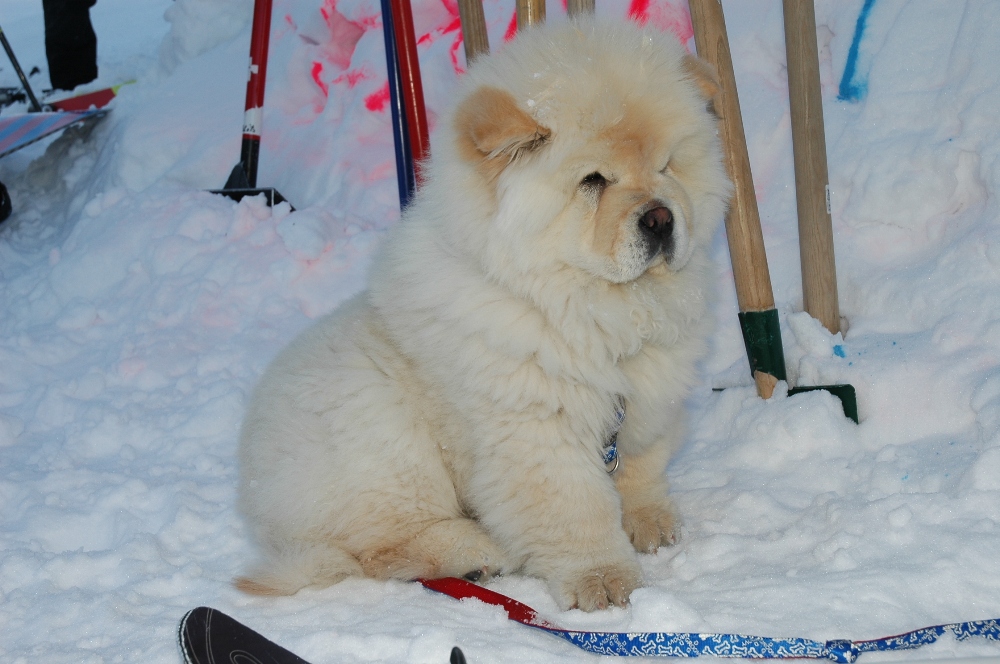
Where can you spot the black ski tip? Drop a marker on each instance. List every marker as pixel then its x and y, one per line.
pixel 208 636
pixel 192 631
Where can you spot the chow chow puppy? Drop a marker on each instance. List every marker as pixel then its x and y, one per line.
pixel 552 273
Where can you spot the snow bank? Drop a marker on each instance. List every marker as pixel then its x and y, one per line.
pixel 138 311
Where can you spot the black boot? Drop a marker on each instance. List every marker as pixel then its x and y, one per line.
pixel 5 206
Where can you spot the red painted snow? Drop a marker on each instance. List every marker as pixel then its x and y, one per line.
pixel 344 35
pixel 352 77
pixel 670 18
pixel 511 28
pixel 378 101
pixel 451 24
pixel 317 76
pixel 638 11
pixel 666 16
pixel 662 14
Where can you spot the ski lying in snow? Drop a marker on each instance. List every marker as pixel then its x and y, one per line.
pixel 81 102
pixel 18 131
pixel 208 636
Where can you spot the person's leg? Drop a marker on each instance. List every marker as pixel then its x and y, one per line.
pixel 5 207
pixel 70 43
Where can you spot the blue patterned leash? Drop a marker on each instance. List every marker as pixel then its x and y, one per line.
pixel 680 644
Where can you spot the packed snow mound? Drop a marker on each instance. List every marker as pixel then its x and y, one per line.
pixel 139 311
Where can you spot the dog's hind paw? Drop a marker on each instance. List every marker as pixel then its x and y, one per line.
pixel 478 562
pixel 600 588
pixel 451 547
pixel 474 576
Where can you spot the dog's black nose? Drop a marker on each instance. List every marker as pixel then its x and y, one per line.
pixel 658 222
pixel 657 225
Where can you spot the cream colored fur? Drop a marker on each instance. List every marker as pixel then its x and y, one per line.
pixel 450 419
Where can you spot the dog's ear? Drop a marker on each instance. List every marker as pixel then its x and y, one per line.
pixel 493 130
pixel 703 75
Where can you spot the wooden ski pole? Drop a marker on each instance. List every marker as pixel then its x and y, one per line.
pixel 578 7
pixel 812 189
pixel 758 317
pixel 477 42
pixel 529 12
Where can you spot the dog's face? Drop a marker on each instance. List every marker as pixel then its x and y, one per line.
pixel 630 208
pixel 605 174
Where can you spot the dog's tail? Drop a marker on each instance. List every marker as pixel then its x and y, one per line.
pixel 289 570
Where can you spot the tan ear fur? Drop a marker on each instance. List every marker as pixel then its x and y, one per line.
pixel 493 130
pixel 703 75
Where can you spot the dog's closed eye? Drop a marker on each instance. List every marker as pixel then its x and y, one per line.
pixel 595 182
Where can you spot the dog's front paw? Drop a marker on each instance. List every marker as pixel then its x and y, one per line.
pixel 600 587
pixel 650 526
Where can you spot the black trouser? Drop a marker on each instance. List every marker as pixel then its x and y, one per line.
pixel 70 43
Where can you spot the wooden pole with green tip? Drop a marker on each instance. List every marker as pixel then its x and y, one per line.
pixel 758 317
pixel 529 12
pixel 477 42
pixel 579 7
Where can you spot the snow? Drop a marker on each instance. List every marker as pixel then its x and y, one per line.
pixel 138 311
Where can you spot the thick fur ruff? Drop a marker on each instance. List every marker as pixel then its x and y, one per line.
pixel 450 419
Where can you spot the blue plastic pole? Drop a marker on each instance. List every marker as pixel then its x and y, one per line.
pixel 405 175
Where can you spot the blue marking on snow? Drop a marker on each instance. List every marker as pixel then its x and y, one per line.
pixel 838 350
pixel 854 87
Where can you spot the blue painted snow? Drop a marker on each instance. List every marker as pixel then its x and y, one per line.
pixel 854 87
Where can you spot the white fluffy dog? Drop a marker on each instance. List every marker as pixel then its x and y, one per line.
pixel 451 419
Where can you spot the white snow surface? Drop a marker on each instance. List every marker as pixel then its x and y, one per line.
pixel 137 311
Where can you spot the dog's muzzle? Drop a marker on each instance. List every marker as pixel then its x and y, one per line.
pixel 657 227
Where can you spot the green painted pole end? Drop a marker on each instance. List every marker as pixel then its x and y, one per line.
pixel 762 337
